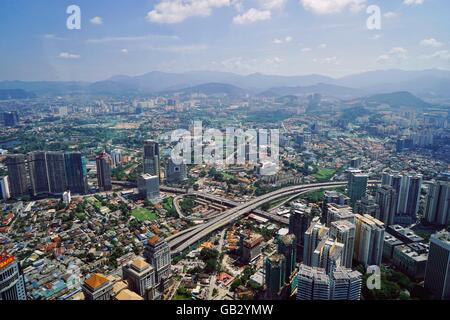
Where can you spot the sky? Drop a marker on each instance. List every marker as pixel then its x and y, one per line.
pixel 284 37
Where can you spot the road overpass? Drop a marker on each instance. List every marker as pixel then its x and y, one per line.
pixel 183 240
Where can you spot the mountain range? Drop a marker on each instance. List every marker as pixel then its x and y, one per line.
pixel 433 83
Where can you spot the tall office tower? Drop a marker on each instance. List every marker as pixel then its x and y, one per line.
pixel 437 272
pixel 346 284
pixel 328 255
pixel 56 169
pixel 336 212
pixel 12 282
pixel 104 172
pixel 357 185
pixel 344 232
pixel 4 188
pixel 287 246
pixel 313 284
pixel 76 173
pixel 386 199
pixel 299 222
pixel 11 119
pixel 148 186
pixel 116 157
pixel 140 277
pixel 157 253
pixel 175 173
pixel 275 275
pixel 37 166
pixel 438 202
pixel 17 173
pixel 313 236
pixel 151 158
pixel 355 163
pixel 369 239
pixel 409 197
pixel 97 287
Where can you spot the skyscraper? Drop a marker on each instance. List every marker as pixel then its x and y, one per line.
pixel 148 186
pixel 357 185
pixel 437 273
pixel 346 284
pixel 76 172
pixel 12 282
pixel 37 165
pixel 56 169
pixel 4 188
pixel 337 212
pixel 11 119
pixel 140 277
pixel 299 222
pixel 409 196
pixel 151 158
pixel 157 253
pixel 369 239
pixel 175 173
pixel 387 201
pixel 344 232
pixel 438 203
pixel 17 173
pixel 104 172
pixel 275 275
pixel 287 246
pixel 116 156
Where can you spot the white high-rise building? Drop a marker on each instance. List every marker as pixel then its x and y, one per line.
pixel 148 186
pixel 369 240
pixel 344 232
pixel 438 203
pixel 4 188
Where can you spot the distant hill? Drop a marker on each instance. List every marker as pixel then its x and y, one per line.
pixel 397 99
pixel 213 88
pixel 322 88
pixel 431 83
pixel 10 94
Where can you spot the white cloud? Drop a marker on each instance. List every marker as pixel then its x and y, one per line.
pixel 97 21
pixel 330 60
pixel 431 42
pixel 124 51
pixel 272 4
pixel 176 11
pixel 50 36
pixel 376 37
pixel 413 2
pixel 396 53
pixel 322 46
pixel 67 55
pixel 252 15
pixel 439 55
pixel 133 38
pixel 274 60
pixel 390 15
pixel 287 39
pixel 306 50
pixel 332 6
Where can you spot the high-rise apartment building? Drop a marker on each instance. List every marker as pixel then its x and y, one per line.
pixel 18 177
pixel 369 239
pixel 437 209
pixel 56 170
pixel 76 172
pixel 386 199
pixel 313 236
pixel 437 273
pixel 4 188
pixel 344 232
pixel 299 222
pixel 37 165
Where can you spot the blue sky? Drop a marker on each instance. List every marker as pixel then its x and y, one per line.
pixel 286 37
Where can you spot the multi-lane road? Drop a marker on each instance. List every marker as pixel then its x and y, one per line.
pixel 183 240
